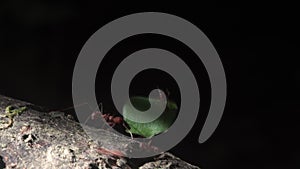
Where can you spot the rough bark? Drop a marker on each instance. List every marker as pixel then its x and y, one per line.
pixel 41 139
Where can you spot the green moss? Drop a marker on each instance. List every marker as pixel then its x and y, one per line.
pixel 10 113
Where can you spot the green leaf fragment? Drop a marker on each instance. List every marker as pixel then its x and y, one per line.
pixel 155 127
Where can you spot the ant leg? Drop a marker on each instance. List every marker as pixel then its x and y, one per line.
pixel 127 129
pixel 112 125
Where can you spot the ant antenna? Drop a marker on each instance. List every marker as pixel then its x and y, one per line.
pixel 72 107
pixel 168 92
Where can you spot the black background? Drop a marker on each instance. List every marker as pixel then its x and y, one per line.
pixel 40 41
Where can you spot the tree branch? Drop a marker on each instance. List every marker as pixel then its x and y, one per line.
pixel 40 139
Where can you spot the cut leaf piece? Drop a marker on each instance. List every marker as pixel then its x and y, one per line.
pixel 159 125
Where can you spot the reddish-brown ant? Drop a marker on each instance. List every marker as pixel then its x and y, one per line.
pixel 116 120
pixel 110 152
pixel 111 120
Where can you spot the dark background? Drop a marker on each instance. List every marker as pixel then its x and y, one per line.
pixel 40 41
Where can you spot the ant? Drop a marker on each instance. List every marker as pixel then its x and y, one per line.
pixel 110 119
